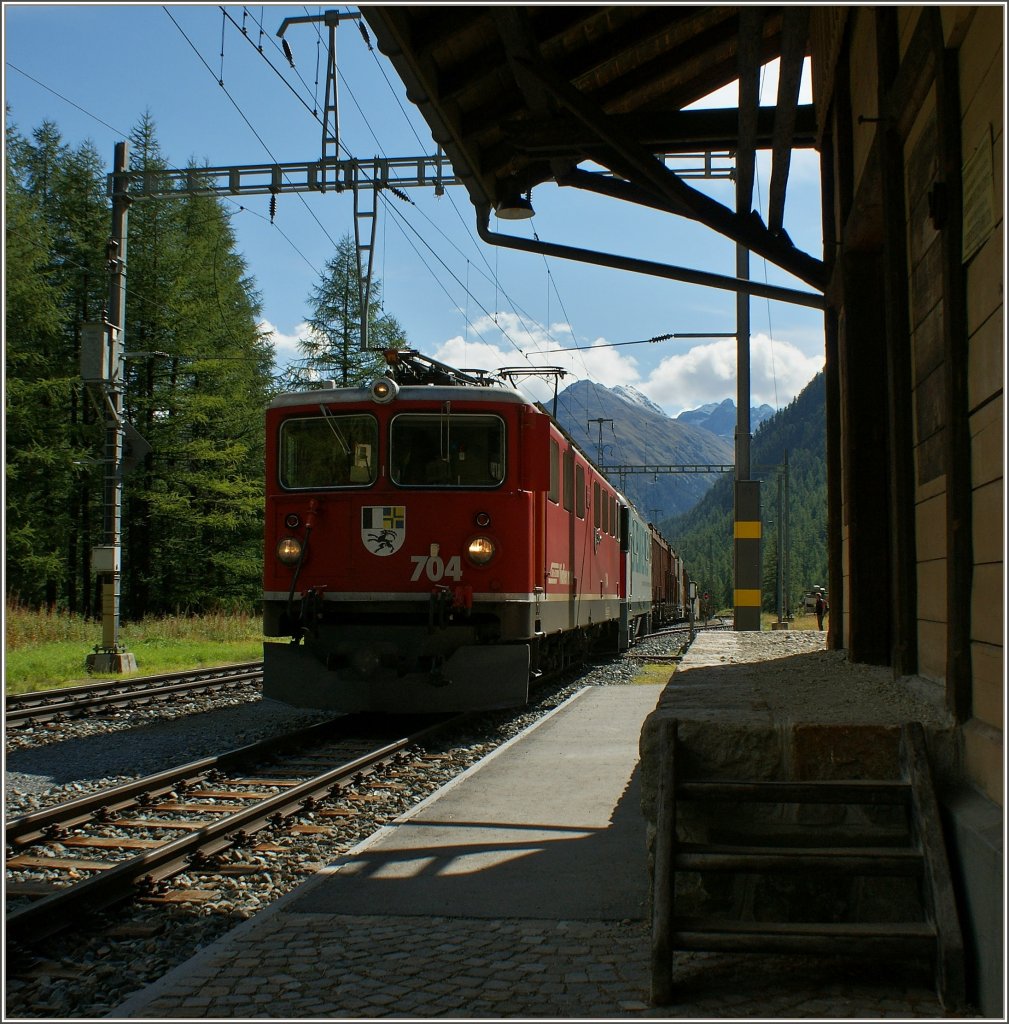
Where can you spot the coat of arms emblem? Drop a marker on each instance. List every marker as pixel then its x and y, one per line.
pixel 383 528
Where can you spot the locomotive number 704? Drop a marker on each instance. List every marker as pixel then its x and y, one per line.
pixel 436 567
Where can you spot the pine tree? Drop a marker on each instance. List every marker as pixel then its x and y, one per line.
pixel 198 375
pixel 193 537
pixel 333 348
pixel 56 224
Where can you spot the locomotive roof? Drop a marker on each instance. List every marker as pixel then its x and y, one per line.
pixel 407 393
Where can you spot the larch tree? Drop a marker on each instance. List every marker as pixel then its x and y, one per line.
pixel 193 536
pixel 332 350
pixel 56 224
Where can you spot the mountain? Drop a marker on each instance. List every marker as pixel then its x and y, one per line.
pixel 703 535
pixel 635 397
pixel 620 427
pixel 720 417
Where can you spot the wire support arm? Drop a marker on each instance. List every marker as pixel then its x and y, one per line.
pixel 701 467
pixel 639 266
pixel 267 179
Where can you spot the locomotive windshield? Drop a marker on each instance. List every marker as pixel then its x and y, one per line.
pixel 328 451
pixel 457 450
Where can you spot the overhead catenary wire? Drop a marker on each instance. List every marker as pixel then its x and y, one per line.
pixel 534 346
pixel 644 341
pixel 267 149
pixel 125 134
pixel 480 250
pixel 157 304
pixel 137 295
pixel 65 99
pixel 402 196
pixel 496 277
pixel 276 71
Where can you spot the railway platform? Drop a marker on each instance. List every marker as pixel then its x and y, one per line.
pixel 519 890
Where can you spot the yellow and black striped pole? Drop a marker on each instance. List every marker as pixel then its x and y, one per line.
pixel 746 595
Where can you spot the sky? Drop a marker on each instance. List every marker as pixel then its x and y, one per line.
pixel 95 70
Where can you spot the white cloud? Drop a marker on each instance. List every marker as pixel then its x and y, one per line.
pixel 779 370
pixel 285 346
pixel 509 340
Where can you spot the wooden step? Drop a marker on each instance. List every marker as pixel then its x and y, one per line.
pixel 882 860
pixel 785 840
pixel 792 835
pixel 828 791
pixel 905 939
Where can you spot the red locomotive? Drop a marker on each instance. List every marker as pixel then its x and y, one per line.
pixel 435 541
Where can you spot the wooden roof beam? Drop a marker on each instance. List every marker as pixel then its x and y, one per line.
pixel 678 131
pixel 748 58
pixel 523 52
pixel 625 157
pixel 794 43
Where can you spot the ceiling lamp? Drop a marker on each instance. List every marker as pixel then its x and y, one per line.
pixel 514 208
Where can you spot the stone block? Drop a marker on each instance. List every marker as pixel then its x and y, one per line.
pixel 845 751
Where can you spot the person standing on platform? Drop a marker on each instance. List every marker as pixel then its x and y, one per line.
pixel 821 608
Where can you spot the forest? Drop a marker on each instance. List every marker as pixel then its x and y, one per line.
pixel 198 375
pixel 703 536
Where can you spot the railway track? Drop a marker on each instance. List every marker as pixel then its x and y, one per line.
pixel 128 842
pixel 63 703
pixel 681 632
pixel 77 701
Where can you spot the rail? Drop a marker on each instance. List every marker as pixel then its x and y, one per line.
pixel 110 882
pixel 45 705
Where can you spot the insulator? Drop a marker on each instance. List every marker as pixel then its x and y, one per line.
pixel 273 206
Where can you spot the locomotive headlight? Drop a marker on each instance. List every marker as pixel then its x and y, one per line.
pixel 384 390
pixel 289 550
pixel 481 550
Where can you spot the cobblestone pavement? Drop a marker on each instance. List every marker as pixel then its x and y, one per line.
pixel 298 965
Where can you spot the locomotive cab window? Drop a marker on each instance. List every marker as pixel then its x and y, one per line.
pixel 328 451
pixel 450 450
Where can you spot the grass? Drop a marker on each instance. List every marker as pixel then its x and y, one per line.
pixel 654 674
pixel 800 621
pixel 44 649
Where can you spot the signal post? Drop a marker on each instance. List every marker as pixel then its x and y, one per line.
pixel 102 360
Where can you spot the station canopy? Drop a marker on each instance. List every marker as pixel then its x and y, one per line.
pixel 521 95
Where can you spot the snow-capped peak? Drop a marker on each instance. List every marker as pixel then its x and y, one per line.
pixel 635 397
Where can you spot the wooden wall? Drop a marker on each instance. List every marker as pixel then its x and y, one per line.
pixel 911 119
pixel 982 96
